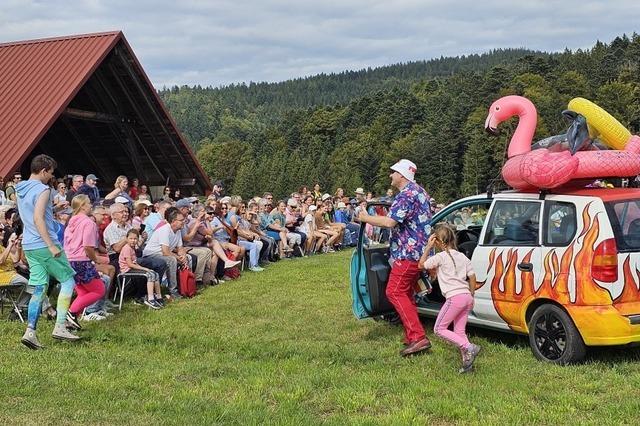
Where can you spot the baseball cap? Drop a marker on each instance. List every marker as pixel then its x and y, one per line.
pixel 183 202
pixel 121 199
pixel 406 168
pixel 91 177
pixel 312 207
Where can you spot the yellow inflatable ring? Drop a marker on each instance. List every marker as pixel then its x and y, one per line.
pixel 601 124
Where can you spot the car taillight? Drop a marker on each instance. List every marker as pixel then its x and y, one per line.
pixel 605 261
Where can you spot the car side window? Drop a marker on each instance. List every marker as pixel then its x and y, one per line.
pixel 514 223
pixel 470 216
pixel 560 223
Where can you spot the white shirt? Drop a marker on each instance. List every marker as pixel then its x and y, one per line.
pixel 163 236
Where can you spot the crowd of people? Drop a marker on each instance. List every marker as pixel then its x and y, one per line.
pixel 80 242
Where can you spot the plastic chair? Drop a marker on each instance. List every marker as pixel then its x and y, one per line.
pixel 121 283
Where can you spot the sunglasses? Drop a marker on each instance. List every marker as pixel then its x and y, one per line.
pixel 63 187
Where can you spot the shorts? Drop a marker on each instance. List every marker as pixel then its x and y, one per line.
pixel 85 271
pixel 42 266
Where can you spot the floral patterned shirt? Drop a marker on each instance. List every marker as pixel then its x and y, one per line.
pixel 412 212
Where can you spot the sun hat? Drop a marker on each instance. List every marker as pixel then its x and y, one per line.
pixel 325 197
pixel 360 191
pixel 145 202
pixel 342 205
pixel 406 168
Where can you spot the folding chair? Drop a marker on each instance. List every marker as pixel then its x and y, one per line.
pixel 7 298
pixel 121 283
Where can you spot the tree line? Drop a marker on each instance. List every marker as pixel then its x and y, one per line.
pixel 345 130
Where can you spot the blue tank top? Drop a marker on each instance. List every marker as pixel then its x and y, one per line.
pixel 28 192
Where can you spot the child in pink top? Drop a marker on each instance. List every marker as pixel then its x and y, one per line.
pixel 128 262
pixel 453 269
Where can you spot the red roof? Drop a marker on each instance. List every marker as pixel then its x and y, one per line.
pixel 39 79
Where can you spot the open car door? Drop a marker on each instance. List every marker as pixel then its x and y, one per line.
pixel 370 267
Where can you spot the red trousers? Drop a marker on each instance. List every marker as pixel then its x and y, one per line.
pixel 400 292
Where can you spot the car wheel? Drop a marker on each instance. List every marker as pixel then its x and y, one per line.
pixel 392 318
pixel 553 337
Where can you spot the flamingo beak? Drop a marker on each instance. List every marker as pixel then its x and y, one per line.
pixel 491 125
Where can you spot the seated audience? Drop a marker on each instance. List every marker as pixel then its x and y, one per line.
pixel 128 262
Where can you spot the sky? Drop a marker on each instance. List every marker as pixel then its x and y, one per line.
pixel 220 42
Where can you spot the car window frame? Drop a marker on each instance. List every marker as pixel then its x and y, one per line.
pixel 493 211
pixel 545 224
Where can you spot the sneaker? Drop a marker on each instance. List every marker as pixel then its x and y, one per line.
pixel 176 296
pixel 30 340
pixel 110 306
pixel 256 269
pixel 73 322
pixel 468 356
pixel 152 304
pixel 93 316
pixel 60 332
pixel 231 263
pixel 160 301
pixel 104 313
pixel 138 301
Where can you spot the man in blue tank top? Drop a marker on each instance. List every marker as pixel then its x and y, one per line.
pixel 43 250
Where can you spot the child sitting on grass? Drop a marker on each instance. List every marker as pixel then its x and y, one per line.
pixel 453 269
pixel 128 263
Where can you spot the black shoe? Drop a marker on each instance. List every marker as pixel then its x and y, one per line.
pixel 72 320
pixel 138 301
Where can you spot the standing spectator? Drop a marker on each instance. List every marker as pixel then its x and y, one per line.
pixel 144 194
pixel 90 189
pixel 133 191
pixel 10 191
pixel 317 194
pixel 409 220
pixel 166 194
pixel 79 245
pixel 218 189
pixel 60 199
pixel 76 183
pixel 42 249
pixel 120 190
pixel 166 245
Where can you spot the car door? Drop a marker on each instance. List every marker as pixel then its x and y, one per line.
pixel 507 261
pixel 370 268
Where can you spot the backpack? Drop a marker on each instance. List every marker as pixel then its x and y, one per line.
pixel 186 282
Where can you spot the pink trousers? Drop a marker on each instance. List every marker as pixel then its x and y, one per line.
pixel 88 293
pixel 454 310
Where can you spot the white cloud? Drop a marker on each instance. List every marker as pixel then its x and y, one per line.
pixel 225 41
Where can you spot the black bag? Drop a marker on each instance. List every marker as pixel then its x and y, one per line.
pixel 297 251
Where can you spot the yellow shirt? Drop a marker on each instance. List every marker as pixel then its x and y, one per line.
pixel 7 271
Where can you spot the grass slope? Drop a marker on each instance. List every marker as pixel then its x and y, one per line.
pixel 282 347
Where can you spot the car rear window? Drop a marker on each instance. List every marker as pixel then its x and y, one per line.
pixel 625 221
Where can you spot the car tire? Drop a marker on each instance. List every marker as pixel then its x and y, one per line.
pixel 553 336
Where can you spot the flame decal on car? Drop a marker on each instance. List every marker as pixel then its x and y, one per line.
pixel 510 302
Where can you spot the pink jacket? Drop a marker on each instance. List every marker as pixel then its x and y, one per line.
pixel 80 232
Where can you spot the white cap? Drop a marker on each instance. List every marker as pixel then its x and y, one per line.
pixel 325 197
pixel 145 202
pixel 121 199
pixel 313 207
pixel 342 205
pixel 359 191
pixel 406 168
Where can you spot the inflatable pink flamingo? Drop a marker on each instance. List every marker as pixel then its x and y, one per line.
pixel 544 169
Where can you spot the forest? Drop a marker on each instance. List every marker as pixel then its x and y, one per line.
pixel 345 130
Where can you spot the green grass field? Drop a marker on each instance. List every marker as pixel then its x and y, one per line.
pixel 282 347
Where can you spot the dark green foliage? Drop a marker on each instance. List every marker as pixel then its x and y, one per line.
pixel 345 130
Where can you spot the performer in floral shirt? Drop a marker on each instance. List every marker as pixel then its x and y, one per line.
pixel 410 221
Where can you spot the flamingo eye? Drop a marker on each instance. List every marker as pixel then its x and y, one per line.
pixel 497 108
